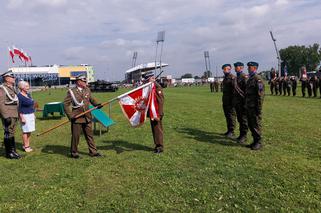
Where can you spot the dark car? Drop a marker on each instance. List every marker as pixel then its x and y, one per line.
pixel 103 86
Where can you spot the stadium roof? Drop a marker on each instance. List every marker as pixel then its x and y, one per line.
pixel 146 67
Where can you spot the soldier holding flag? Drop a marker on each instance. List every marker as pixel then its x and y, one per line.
pixel 77 101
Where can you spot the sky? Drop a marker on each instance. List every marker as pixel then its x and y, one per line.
pixel 105 33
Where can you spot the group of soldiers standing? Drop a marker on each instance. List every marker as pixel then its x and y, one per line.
pixel 243 99
pixel 286 84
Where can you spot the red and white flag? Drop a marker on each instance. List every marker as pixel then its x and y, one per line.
pixel 16 51
pixel 153 106
pixel 135 104
pixel 11 54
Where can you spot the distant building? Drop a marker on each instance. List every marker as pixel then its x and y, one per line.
pixel 134 74
pixel 53 74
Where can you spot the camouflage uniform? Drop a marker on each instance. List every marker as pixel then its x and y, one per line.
pixel 254 103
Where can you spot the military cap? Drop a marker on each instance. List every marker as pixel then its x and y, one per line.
pixel 8 74
pixel 252 64
pixel 147 75
pixel 238 64
pixel 226 65
pixel 81 77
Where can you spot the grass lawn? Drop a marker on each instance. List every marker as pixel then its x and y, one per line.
pixel 200 170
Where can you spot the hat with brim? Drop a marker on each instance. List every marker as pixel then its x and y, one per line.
pixel 252 64
pixel 226 65
pixel 81 77
pixel 8 74
pixel 147 75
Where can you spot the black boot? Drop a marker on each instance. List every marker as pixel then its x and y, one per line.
pixel 241 139
pixel 9 154
pixel 13 148
pixel 257 146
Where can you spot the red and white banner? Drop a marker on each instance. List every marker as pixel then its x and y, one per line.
pixel 135 104
pixel 153 106
pixel 11 54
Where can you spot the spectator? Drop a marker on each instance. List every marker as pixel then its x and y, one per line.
pixel 26 114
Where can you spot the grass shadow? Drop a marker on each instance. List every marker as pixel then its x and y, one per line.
pixel 207 137
pixel 58 149
pixel 121 146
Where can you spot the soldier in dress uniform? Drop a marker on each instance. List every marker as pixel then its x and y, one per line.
pixel 77 101
pixel 304 80
pixel 239 101
pixel 157 124
pixel 228 83
pixel 254 102
pixel 294 83
pixel 280 82
pixel 9 113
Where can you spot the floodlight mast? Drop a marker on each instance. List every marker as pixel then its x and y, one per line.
pixel 277 53
pixel 160 39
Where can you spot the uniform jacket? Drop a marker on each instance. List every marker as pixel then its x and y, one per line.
pixel 240 89
pixel 160 99
pixel 7 109
pixel 254 92
pixel 229 82
pixel 70 107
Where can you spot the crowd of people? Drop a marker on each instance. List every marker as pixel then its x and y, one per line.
pixel 19 107
pixel 288 84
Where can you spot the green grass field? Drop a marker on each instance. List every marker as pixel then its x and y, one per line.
pixel 200 170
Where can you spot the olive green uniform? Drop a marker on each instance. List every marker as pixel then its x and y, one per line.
pixel 239 103
pixel 9 116
pixel 84 123
pixel 228 83
pixel 254 103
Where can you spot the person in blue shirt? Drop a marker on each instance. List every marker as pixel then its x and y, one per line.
pixel 26 114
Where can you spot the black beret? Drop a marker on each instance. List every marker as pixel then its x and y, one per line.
pixel 81 77
pixel 253 64
pixel 238 64
pixel 226 65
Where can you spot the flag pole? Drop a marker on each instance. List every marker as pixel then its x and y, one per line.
pixel 77 116
pixel 89 110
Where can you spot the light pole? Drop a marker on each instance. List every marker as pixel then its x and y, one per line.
pixel 277 53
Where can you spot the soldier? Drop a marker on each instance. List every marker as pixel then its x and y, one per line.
pixel 304 80
pixel 293 84
pixel 280 82
pixel 216 84
pixel 77 101
pixel 212 86
pixel 309 86
pixel 273 82
pixel 228 94
pixel 239 101
pixel 254 103
pixel 286 86
pixel 9 113
pixel 314 84
pixel 157 124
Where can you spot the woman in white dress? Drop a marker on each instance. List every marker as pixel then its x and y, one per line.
pixel 26 114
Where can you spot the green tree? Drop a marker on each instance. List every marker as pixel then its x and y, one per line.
pixel 297 56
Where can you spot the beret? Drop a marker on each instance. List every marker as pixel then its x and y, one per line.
pixel 226 65
pixel 252 64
